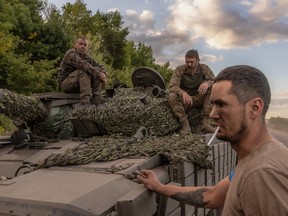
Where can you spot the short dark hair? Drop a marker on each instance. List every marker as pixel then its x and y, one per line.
pixel 80 38
pixel 247 83
pixel 192 54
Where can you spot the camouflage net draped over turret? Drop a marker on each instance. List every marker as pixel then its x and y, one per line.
pixel 124 113
pixel 21 107
pixel 175 148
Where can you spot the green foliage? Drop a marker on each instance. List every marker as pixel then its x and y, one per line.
pixel 278 123
pixel 120 77
pixel 6 125
pixel 32 45
pixel 165 71
pixel 25 76
pixel 42 39
pixel 6 24
pixel 34 36
pixel 77 18
pixel 108 28
pixel 141 55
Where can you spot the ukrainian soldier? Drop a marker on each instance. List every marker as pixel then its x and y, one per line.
pixel 81 73
pixel 190 87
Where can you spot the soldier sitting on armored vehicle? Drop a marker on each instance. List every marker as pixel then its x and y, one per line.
pixel 190 88
pixel 81 73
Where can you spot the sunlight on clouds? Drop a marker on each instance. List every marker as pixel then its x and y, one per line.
pixel 146 16
pixel 279 105
pixel 210 58
pixel 224 29
pixel 221 24
pixel 181 16
pixel 269 10
pixel 188 15
pixel 222 40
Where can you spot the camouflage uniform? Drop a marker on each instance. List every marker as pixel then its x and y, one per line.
pixel 181 81
pixel 80 73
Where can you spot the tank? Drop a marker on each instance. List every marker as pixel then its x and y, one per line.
pixel 64 161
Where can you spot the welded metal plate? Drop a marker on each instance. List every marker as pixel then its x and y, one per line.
pixel 144 76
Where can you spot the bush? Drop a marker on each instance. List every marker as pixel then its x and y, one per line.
pixel 6 125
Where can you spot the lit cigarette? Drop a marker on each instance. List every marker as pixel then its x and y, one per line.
pixel 216 131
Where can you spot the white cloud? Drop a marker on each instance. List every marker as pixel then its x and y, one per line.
pixel 210 58
pixel 226 24
pixel 142 28
pixel 112 10
pixel 218 24
pixel 221 24
pixel 269 10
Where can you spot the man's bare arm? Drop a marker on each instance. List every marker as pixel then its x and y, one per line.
pixel 195 198
pixel 206 196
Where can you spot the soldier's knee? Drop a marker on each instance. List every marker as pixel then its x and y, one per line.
pixel 173 99
pixel 172 96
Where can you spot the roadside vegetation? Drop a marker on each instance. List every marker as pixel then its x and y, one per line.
pixel 278 123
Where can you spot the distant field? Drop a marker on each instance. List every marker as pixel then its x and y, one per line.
pixel 282 136
pixel 278 123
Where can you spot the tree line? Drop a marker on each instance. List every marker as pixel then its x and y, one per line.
pixel 34 36
pixel 278 123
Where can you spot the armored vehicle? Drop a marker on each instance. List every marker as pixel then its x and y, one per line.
pixel 62 161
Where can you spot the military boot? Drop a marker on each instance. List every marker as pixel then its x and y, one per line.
pixel 206 126
pixel 98 99
pixel 185 130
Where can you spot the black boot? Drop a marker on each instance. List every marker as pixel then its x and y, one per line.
pixel 98 99
pixel 185 130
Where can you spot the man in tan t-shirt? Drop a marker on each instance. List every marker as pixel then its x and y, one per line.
pixel 259 184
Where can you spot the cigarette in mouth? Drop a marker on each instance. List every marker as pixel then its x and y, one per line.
pixel 214 134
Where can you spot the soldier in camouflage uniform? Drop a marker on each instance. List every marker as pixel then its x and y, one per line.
pixel 190 87
pixel 80 73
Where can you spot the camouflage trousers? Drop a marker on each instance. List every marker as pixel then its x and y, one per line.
pixel 180 109
pixel 80 81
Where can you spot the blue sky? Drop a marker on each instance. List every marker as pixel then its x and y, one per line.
pixel 225 33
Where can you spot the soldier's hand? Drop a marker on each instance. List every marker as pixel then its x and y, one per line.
pixel 187 99
pixel 203 88
pixel 103 77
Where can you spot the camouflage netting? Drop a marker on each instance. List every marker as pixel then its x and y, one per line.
pixel 21 107
pixel 125 112
pixel 107 148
